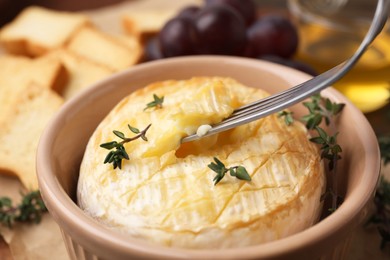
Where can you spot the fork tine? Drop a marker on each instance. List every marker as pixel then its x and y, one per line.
pixel 261 104
pixel 282 100
pixel 304 87
pixel 266 99
pixel 272 104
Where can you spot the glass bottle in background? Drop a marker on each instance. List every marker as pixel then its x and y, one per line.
pixel 330 32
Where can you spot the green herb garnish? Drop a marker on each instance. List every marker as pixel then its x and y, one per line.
pixel 384 145
pixel 156 103
pixel 323 109
pixel 115 157
pixel 288 119
pixel 319 111
pixel 29 210
pixel 381 217
pixel 236 171
pixel 329 148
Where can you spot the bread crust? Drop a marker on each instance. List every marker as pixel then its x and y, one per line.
pixel 37 30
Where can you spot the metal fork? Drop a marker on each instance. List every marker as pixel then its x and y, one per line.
pixel 293 95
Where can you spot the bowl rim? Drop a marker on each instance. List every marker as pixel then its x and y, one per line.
pixel 64 210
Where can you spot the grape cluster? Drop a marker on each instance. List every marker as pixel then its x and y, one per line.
pixel 227 27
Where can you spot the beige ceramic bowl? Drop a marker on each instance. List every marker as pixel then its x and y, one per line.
pixel 63 143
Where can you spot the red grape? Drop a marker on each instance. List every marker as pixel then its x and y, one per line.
pixel 221 31
pixel 189 12
pixel 246 8
pixel 178 37
pixel 153 50
pixel 272 34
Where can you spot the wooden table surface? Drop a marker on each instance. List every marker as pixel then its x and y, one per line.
pixel 380 119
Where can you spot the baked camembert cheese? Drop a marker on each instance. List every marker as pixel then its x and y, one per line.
pixel 165 192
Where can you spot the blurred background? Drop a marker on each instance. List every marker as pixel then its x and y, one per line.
pixel 10 8
pixel 329 32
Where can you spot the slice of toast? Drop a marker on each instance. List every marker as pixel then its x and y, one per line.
pixel 146 23
pixel 115 52
pixel 37 30
pixel 46 71
pixel 20 132
pixel 81 72
pixel 49 72
pixel 17 72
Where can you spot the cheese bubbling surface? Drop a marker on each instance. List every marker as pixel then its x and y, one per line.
pixel 165 193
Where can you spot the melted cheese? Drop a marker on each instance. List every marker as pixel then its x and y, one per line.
pixel 165 192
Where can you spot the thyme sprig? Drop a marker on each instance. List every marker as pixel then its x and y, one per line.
pixel 320 109
pixel 381 217
pixel 116 156
pixel 330 150
pixel 156 103
pixel 384 145
pixel 323 109
pixel 29 210
pixel 236 171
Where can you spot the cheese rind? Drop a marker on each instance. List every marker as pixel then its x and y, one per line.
pixel 165 192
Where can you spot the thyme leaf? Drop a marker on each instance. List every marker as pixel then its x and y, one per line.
pixel 236 171
pixel 156 103
pixel 288 119
pixel 30 209
pixel 116 156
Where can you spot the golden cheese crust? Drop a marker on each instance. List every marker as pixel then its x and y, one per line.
pixel 165 192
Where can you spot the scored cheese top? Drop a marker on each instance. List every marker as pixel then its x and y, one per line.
pixel 165 192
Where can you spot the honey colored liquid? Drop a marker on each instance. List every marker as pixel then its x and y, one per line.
pixel 367 85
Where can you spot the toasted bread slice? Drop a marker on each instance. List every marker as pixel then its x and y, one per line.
pixel 46 71
pixel 82 72
pixel 115 52
pixel 17 72
pixel 20 132
pixel 49 72
pixel 37 30
pixel 146 23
